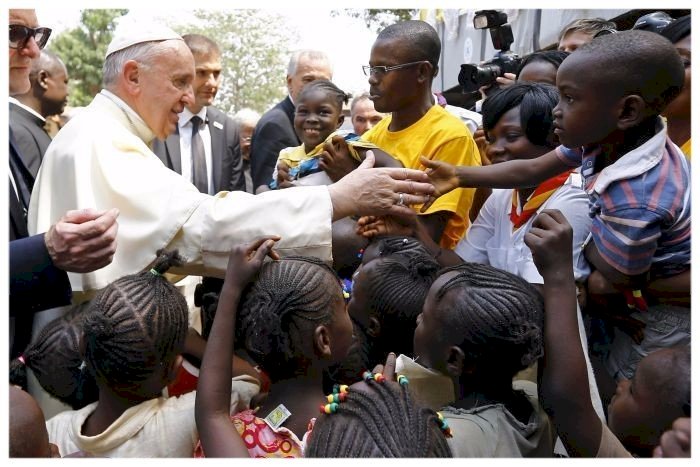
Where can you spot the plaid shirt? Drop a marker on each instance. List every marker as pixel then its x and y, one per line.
pixel 640 206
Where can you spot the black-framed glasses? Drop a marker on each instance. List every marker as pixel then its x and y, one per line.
pixel 382 70
pixel 20 35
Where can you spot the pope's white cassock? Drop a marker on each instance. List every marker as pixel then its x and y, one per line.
pixel 102 159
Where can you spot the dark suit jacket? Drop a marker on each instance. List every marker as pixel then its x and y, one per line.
pixel 18 223
pixel 30 137
pixel 35 285
pixel 274 132
pixel 227 163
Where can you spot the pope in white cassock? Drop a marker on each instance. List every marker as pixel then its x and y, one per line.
pixel 102 159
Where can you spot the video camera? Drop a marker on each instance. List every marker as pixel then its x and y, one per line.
pixel 472 77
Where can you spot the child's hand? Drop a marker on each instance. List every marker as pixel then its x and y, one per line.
pixel 550 240
pixel 283 178
pixel 335 159
pixel 372 226
pixel 245 261
pixel 442 176
pixel 482 144
pixel 676 441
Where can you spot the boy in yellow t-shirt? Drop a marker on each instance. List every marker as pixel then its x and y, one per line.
pixel 403 62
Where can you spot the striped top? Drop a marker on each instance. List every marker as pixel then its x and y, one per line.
pixel 639 205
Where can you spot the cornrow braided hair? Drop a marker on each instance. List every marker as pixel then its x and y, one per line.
pixel 397 287
pixel 336 94
pixel 136 324
pixel 56 360
pixel 280 310
pixel 390 244
pixel 499 315
pixel 383 423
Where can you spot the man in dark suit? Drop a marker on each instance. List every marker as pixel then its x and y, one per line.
pixel 79 242
pixel 217 140
pixel 275 130
pixel 47 96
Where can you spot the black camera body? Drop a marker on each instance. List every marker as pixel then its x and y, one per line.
pixel 472 77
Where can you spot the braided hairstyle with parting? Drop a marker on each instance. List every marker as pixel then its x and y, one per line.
pixel 337 95
pixel 136 325
pixel 498 316
pixel 384 423
pixel 55 358
pixel 280 310
pixel 398 283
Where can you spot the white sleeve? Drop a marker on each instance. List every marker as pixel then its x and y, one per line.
pixel 472 247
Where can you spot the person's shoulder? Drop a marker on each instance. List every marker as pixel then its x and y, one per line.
pixel 450 127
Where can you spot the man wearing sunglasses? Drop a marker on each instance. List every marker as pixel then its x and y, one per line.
pixel 103 157
pixel 79 241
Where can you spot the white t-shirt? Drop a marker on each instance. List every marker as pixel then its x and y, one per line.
pixel 491 239
pixel 162 427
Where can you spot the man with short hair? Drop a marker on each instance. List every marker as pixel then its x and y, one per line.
pixel 216 139
pixel 363 114
pixel 47 96
pixel 102 158
pixel 275 130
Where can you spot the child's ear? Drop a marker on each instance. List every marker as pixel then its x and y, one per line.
pixel 633 111
pixel 341 119
pixel 374 330
pixel 322 342
pixel 455 361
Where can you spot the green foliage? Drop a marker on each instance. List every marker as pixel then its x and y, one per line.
pixel 377 19
pixel 254 59
pixel 83 50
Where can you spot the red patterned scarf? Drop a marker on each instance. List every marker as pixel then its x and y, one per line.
pixel 536 199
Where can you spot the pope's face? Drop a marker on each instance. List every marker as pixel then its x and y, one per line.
pixel 165 87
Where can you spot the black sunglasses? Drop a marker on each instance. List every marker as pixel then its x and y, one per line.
pixel 20 35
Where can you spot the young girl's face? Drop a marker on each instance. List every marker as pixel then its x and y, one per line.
pixel 430 343
pixel 508 141
pixel 316 117
pixel 358 308
pixel 341 331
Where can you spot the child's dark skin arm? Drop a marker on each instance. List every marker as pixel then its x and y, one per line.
pixel 218 435
pixel 564 390
pixel 337 162
pixel 446 177
pixel 616 278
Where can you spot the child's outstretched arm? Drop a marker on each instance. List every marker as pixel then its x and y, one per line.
pixel 212 404
pixel 446 177
pixel 564 388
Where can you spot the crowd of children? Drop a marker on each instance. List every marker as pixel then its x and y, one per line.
pixel 298 357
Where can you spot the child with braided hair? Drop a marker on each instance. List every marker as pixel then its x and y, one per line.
pixel 386 296
pixel 388 292
pixel 55 358
pixel 480 326
pixel 293 323
pixel 133 332
pixel 379 418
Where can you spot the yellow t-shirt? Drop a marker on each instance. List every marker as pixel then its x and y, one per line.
pixel 442 136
